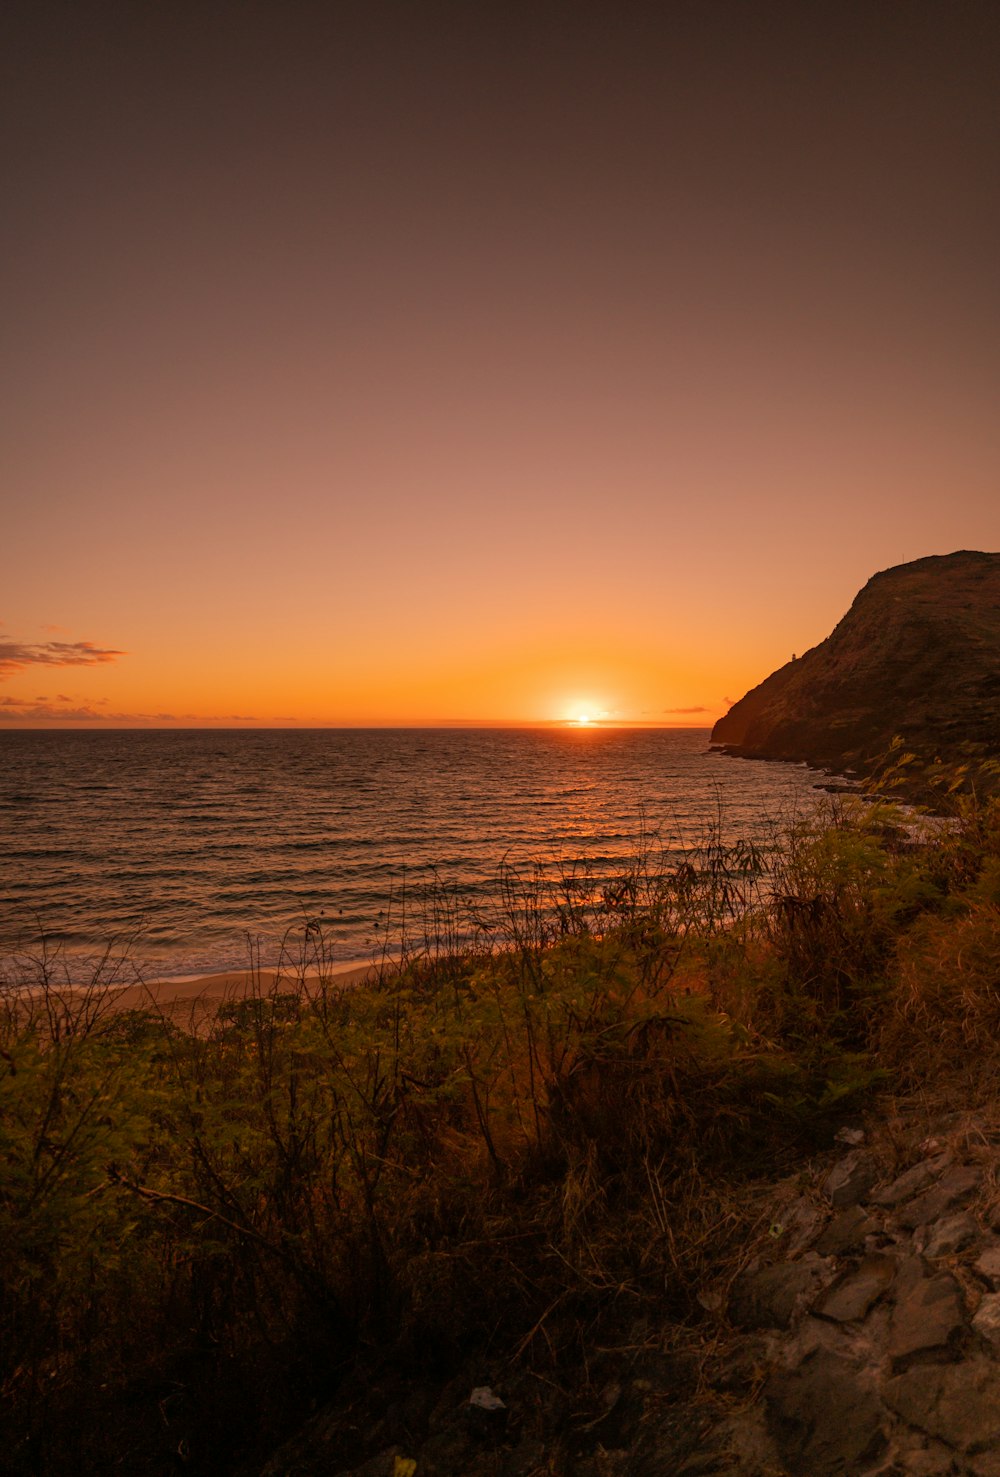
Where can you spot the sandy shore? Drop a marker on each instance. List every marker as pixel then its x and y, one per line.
pixel 191 1001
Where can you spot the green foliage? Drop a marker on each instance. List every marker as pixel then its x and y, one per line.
pixel 220 1222
pixel 967 776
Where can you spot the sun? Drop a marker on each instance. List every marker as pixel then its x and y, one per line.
pixel 583 712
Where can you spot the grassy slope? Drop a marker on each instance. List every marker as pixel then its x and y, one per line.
pixel 507 1156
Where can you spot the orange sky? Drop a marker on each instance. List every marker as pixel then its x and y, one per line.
pixel 388 364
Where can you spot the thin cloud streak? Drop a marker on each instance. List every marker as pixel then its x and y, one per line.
pixel 15 656
pixel 14 710
pixel 18 710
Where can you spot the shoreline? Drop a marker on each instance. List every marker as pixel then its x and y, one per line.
pixel 192 999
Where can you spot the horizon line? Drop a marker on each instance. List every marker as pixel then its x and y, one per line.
pixel 452 723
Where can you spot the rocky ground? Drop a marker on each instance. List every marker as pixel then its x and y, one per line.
pixel 862 1336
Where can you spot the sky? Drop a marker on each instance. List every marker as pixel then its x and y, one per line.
pixel 420 363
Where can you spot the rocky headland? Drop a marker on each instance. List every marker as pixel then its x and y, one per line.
pixel 917 656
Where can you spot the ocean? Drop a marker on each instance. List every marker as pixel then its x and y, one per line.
pixel 197 847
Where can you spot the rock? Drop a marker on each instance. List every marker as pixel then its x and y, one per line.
pixel 912 1269
pixel 988 1264
pixel 910 1183
pixel 928 1315
pixel 917 654
pixel 825 1416
pixel 846 1232
pixel 949 1235
pixel 483 1398
pixel 951 1189
pixel 802 1221
pixel 849 1180
pixel 960 1403
pixel 987 1319
pixel 770 1298
pixel 486 1413
pixel 928 1459
pixel 850 1297
pixel 850 1136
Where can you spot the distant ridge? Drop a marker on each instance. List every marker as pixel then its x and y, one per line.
pixel 917 655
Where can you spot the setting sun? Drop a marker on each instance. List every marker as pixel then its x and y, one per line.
pixel 582 718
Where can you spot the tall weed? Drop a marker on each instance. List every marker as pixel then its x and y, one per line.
pixel 525 1124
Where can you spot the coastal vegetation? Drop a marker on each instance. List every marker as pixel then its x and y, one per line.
pixel 535 1137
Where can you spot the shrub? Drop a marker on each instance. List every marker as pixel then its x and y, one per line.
pixel 488 1148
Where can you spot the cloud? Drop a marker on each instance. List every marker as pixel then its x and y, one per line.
pixel 687 710
pixel 23 710
pixel 18 710
pixel 16 655
pixel 198 718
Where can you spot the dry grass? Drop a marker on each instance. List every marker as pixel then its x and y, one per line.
pixel 521 1152
pixel 945 1007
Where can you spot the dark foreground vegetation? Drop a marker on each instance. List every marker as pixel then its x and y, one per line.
pixel 531 1142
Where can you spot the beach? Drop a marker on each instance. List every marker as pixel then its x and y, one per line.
pixel 192 1001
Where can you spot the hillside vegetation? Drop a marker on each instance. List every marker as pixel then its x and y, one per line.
pixel 508 1155
pixel 917 657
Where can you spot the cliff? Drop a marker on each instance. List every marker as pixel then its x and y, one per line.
pixel 917 654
